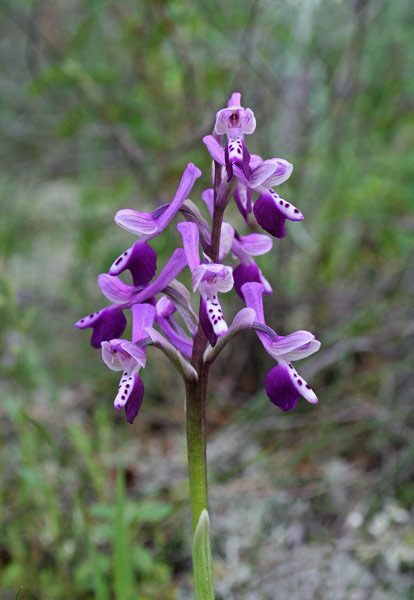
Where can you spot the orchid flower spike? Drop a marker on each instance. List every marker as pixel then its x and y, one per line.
pixel 161 306
pixel 149 225
pixel 208 279
pixel 283 384
pixel 235 121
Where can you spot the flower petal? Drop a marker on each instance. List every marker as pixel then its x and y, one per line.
pixel 284 386
pixel 243 197
pixel 248 121
pixel 235 150
pixel 208 197
pixel 282 172
pixel 212 278
pixel 215 149
pixel 271 212
pixel 301 386
pixel 189 233
pixel 173 267
pixel 114 289
pixel 310 349
pixel 140 260
pixel 244 273
pixel 234 100
pixel 149 225
pixel 137 356
pixel 226 240
pixel 288 343
pixel 139 223
pixel 214 313
pixel 207 325
pixel 188 179
pixel 134 399
pixel 142 317
pixel 111 357
pixel 165 308
pixel 280 389
pixel 130 394
pixel 183 345
pixel 108 323
pixel 256 244
pixel 262 172
pixel 253 296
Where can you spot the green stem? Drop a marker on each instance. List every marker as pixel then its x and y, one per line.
pixel 196 441
pixel 196 420
pixel 197 470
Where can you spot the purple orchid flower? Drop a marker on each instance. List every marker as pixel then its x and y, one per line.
pixel 125 356
pixel 235 121
pixel 208 279
pixel 125 295
pixel 270 210
pixel 110 322
pixel 149 225
pixel 283 384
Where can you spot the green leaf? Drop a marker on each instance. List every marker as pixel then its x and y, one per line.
pixel 203 571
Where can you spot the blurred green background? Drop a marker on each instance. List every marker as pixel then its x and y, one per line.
pixel 102 105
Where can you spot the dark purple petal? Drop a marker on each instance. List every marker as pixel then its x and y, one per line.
pixel 140 260
pixel 246 160
pixel 280 389
pixel 245 273
pixel 271 212
pixel 229 165
pixel 107 324
pixel 135 399
pixel 206 324
pixel 269 216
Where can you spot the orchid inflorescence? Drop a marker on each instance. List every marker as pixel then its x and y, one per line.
pixel 160 300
